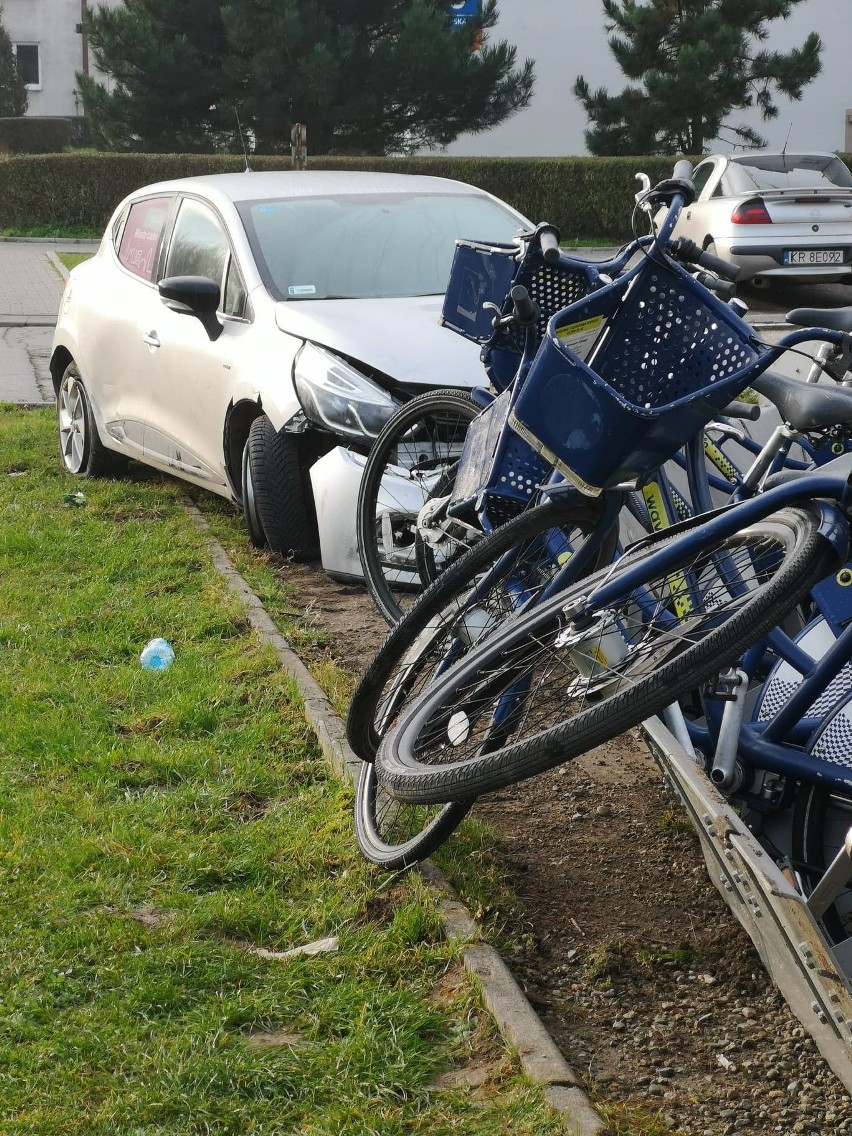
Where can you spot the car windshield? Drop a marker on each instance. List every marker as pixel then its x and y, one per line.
pixel 787 171
pixel 367 245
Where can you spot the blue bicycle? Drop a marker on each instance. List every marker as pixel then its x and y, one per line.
pixel 675 609
pixel 524 562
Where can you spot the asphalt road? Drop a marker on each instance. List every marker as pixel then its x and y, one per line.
pixel 781 298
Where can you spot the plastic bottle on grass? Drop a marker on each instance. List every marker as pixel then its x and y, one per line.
pixel 158 655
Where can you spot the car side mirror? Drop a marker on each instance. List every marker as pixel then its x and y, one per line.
pixel 197 296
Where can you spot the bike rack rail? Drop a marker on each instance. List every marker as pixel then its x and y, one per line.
pixel 814 980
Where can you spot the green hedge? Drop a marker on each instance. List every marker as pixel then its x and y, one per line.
pixel 584 197
pixel 35 135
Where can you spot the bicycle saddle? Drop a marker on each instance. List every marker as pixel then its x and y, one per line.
pixel 806 406
pixel 835 319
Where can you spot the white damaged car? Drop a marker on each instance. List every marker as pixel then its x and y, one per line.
pixel 253 332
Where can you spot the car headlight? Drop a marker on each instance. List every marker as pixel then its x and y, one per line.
pixel 333 394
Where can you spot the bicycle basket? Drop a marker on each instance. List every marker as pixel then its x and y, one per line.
pixel 480 274
pixel 624 378
pixel 497 463
pixel 484 273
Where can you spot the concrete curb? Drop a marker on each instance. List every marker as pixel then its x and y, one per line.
pixel 517 1021
pixel 90 241
pixel 27 321
pixel 58 265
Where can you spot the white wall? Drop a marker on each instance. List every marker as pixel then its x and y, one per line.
pixel 52 25
pixel 567 38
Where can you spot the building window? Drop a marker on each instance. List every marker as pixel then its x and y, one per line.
pixel 28 65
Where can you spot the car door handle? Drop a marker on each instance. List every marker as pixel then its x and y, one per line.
pixel 151 340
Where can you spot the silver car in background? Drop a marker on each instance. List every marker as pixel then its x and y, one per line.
pixel 779 216
pixel 253 332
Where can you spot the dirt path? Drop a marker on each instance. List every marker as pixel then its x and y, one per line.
pixel 623 945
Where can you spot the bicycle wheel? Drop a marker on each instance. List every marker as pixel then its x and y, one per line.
pixel 397 836
pixel 822 818
pixel 553 685
pixel 415 453
pixel 470 599
pixel 476 592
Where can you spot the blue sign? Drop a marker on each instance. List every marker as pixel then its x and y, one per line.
pixel 462 12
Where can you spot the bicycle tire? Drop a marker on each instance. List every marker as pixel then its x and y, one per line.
pixel 439 420
pixel 396 836
pixel 429 631
pixel 447 745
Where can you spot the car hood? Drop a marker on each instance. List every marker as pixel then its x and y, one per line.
pixel 401 337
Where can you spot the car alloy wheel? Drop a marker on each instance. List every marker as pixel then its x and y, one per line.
pixel 80 447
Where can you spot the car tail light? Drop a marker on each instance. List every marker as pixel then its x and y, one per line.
pixel 751 213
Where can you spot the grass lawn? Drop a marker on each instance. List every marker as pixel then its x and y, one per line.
pixel 157 829
pixel 72 259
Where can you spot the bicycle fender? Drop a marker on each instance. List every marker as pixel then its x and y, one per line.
pixel 834 527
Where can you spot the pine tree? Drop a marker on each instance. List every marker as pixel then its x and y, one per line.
pixel 165 59
pixel 365 76
pixel 13 94
pixel 371 76
pixel 696 61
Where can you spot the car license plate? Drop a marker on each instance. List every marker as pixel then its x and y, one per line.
pixel 813 256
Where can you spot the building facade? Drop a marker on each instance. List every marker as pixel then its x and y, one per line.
pixel 47 37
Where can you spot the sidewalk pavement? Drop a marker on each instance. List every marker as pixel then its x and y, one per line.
pixel 31 284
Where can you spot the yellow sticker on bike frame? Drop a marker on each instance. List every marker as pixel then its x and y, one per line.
pixel 659 520
pixel 720 460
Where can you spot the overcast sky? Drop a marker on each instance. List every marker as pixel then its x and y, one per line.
pixel 566 38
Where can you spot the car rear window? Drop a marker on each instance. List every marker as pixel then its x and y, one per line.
pixel 140 238
pixel 367 245
pixel 787 171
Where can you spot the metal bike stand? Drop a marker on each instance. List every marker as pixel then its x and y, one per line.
pixel 834 880
pixel 775 915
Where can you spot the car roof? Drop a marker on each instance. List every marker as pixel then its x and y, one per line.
pixel 254 186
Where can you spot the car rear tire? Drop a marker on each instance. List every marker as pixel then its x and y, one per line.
pixel 80 447
pixel 274 503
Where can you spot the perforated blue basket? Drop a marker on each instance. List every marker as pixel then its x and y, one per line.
pixel 625 377
pixel 481 274
pixel 484 274
pixel 498 469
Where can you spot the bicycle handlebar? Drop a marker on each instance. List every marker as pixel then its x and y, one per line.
pixel 548 239
pixel 724 288
pixel 687 251
pixel 524 310
pixel 748 411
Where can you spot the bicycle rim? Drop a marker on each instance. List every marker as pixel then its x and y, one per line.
pixel 413 456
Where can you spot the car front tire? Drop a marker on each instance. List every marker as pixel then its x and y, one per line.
pixel 274 504
pixel 80 447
